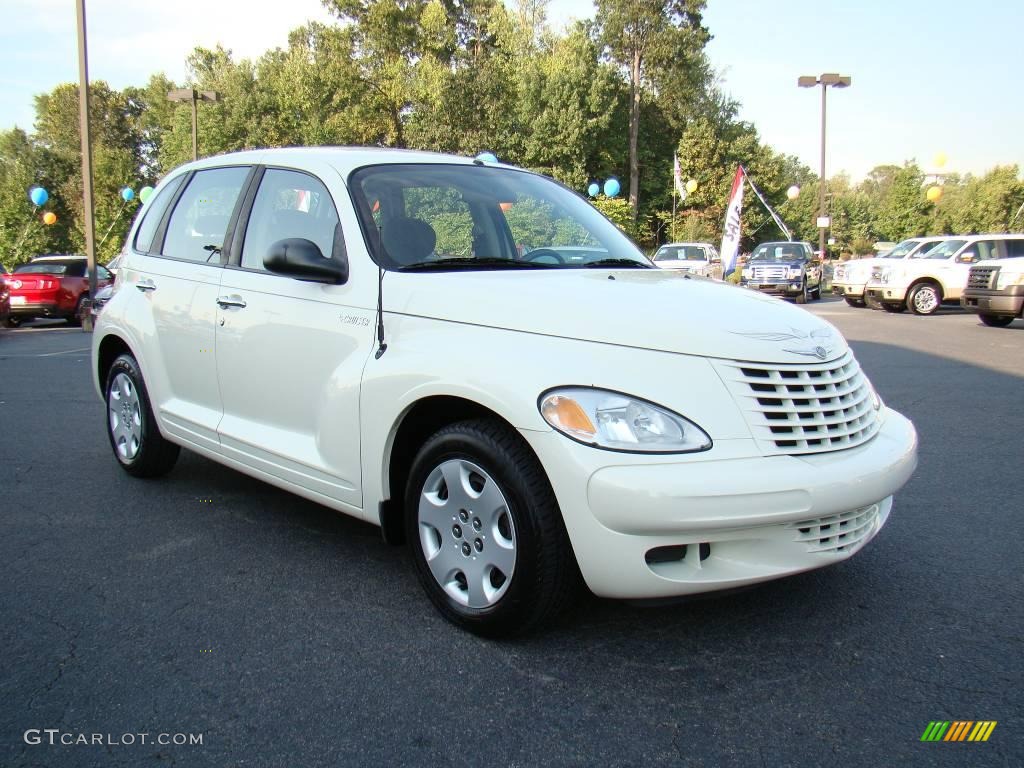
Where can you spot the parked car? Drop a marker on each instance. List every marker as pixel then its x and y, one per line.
pixel 51 286
pixel 695 258
pixel 851 277
pixel 518 423
pixel 995 289
pixel 923 282
pixel 786 268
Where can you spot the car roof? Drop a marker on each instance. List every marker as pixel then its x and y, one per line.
pixel 343 159
pixel 705 245
pixel 58 257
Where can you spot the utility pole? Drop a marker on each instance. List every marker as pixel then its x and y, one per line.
pixel 826 80
pixel 83 121
pixel 192 96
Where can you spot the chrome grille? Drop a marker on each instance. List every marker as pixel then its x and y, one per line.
pixel 807 408
pixel 837 533
pixel 768 274
pixel 982 277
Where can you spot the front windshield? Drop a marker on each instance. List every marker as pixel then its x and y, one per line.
pixel 942 251
pixel 448 217
pixel 681 253
pixel 779 252
pixel 900 250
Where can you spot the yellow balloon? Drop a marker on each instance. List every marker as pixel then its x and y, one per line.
pixel 691 186
pixel 933 194
pixel 49 217
pixel 940 159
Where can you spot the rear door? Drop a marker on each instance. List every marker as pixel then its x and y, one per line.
pixel 290 353
pixel 176 268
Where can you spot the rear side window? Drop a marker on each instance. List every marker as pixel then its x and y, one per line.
pixel 289 204
pixel 199 222
pixel 153 213
pixel 1015 248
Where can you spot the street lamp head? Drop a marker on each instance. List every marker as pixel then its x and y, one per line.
pixel 807 81
pixel 835 80
pixel 209 96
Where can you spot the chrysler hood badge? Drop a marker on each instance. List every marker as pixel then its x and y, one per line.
pixel 818 334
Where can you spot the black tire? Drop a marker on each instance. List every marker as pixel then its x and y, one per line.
pixel 996 321
pixel 894 308
pixel 544 576
pixel 801 298
pixel 154 455
pixel 75 320
pixel 924 298
pixel 12 322
pixel 816 293
pixel 855 302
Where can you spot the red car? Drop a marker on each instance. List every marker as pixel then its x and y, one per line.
pixel 51 286
pixel 5 301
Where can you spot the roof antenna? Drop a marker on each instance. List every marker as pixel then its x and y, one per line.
pixel 381 346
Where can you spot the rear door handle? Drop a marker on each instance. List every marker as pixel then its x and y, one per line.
pixel 145 284
pixel 234 300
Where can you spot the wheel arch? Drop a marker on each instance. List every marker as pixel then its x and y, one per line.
pixel 417 422
pixel 927 279
pixel 110 347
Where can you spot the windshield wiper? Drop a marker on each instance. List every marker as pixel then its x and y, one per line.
pixel 620 262
pixel 475 263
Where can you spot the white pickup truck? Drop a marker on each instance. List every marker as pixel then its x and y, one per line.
pixel 923 282
pixel 995 289
pixel 401 337
pixel 850 278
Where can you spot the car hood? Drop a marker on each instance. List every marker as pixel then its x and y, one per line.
pixel 643 308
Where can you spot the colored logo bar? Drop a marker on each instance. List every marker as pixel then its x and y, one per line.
pixel 958 730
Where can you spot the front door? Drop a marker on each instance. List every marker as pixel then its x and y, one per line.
pixel 290 353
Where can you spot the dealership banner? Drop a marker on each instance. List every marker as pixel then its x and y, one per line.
pixel 731 235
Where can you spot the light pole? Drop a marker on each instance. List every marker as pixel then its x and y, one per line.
pixel 836 81
pixel 193 96
pixel 86 141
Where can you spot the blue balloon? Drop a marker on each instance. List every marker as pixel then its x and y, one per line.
pixel 593 189
pixel 487 157
pixel 612 187
pixel 127 194
pixel 38 195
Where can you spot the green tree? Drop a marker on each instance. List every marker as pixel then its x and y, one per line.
pixel 904 211
pixel 639 35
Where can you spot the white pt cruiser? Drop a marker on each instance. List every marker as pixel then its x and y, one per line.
pixel 395 335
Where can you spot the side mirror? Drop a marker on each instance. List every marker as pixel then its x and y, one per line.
pixel 302 259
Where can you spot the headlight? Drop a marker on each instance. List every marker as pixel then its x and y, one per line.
pixel 889 274
pixel 1006 279
pixel 618 422
pixel 793 273
pixel 747 272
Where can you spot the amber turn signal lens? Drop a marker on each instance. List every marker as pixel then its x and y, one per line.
pixel 566 413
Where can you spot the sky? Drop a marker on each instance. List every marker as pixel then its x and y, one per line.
pixel 929 77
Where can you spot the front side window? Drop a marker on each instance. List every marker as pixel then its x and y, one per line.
pixel 200 220
pixel 153 213
pixel 447 217
pixel 943 250
pixel 289 204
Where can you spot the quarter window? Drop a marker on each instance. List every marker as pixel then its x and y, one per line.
pixel 289 205
pixel 199 222
pixel 153 213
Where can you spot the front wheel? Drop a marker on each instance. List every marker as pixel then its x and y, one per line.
pixel 139 447
pixel 855 302
pixel 924 298
pixel 485 532
pixel 895 308
pixel 996 321
pixel 801 298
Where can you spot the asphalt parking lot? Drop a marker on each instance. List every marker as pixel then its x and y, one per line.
pixel 210 603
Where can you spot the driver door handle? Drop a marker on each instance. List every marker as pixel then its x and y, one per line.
pixel 234 300
pixel 145 284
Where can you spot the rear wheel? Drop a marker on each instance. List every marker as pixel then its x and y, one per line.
pixel 924 298
pixel 12 322
pixel 996 321
pixel 139 447
pixel 485 532
pixel 76 319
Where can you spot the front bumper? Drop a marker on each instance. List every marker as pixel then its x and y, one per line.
pixel 850 290
pixel 788 288
pixel 742 520
pixel 887 294
pixel 1008 302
